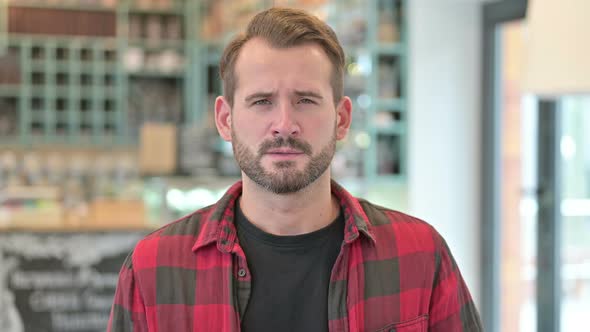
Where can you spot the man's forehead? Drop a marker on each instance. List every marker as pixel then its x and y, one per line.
pixel 306 62
pixel 257 47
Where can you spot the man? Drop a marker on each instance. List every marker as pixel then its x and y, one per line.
pixel 287 248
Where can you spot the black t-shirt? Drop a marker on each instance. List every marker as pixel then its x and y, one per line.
pixel 290 276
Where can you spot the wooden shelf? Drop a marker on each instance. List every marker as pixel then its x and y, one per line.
pixel 43 4
pixel 77 228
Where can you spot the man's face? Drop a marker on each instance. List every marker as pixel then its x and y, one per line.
pixel 284 124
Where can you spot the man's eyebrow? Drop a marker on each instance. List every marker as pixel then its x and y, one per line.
pixel 308 93
pixel 258 95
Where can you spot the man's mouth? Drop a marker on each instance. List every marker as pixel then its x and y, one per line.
pixel 284 151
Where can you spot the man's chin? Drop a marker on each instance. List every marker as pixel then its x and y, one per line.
pixel 286 187
pixel 283 181
pixel 279 167
pixel 284 164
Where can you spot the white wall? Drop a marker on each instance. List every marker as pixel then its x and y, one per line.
pixel 444 125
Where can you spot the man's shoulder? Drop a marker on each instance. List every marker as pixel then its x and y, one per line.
pixel 179 234
pixel 389 223
pixel 379 215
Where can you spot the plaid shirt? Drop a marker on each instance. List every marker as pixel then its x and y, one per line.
pixel 394 273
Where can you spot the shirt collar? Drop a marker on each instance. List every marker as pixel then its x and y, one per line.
pixel 218 223
pixel 356 221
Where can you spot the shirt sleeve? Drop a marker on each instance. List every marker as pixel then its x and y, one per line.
pixel 451 305
pixel 128 310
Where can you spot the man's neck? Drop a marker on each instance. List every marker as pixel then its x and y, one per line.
pixel 308 210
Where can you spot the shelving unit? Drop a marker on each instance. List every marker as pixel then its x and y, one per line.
pixel 90 85
pixel 387 42
pixel 68 90
pixel 86 85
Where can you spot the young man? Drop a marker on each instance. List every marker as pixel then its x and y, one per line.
pixel 287 248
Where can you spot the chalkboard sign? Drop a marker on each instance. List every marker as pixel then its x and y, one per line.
pixel 54 282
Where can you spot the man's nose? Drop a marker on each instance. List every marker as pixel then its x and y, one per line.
pixel 286 124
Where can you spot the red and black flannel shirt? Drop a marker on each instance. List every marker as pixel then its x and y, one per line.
pixel 393 273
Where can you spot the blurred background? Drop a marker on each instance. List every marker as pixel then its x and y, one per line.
pixel 463 117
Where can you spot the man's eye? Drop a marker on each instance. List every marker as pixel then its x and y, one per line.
pixel 261 102
pixel 306 101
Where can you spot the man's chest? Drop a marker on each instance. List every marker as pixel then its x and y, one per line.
pixel 360 295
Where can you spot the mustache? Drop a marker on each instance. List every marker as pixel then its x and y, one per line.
pixel 282 142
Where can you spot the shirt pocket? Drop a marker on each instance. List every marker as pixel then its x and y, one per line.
pixel 418 324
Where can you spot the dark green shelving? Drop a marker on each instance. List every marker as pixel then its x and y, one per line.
pixel 90 76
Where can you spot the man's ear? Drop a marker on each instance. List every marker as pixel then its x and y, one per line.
pixel 343 117
pixel 223 118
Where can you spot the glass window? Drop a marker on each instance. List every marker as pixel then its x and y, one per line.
pixel 518 231
pixel 575 210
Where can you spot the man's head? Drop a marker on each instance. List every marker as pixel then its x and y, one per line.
pixel 280 110
pixel 283 28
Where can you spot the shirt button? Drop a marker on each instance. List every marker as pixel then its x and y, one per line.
pixel 242 273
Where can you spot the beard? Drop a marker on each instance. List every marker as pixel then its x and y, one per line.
pixel 284 178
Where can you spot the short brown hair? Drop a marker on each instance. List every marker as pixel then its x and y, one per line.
pixel 283 28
